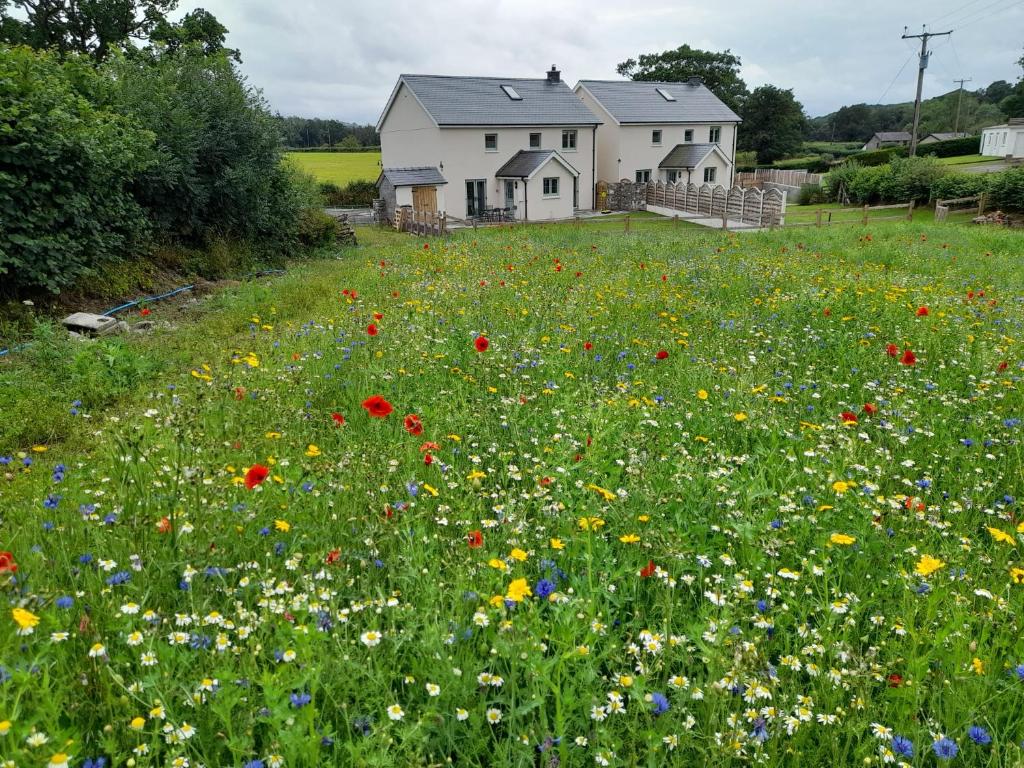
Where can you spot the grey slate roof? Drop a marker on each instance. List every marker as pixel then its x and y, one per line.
pixel 426 175
pixel 637 101
pixel 892 136
pixel 948 136
pixel 452 100
pixel 686 155
pixel 525 162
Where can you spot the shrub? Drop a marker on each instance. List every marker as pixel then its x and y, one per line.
pixel 355 194
pixel 879 156
pixel 811 194
pixel 969 145
pixel 317 229
pixel 911 178
pixel 839 179
pixel 1006 190
pixel 65 202
pixel 954 185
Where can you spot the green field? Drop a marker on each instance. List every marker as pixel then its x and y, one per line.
pixel 967 160
pixel 532 496
pixel 338 167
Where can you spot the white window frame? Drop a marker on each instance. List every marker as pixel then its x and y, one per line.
pixel 551 185
pixel 643 175
pixel 569 138
pixel 688 136
pixel 674 176
pixel 715 134
pixel 713 172
pixel 495 147
pixel 539 139
pixel 656 137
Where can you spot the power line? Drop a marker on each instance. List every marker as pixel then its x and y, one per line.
pixel 959 21
pixel 921 67
pixel 885 93
pixel 956 10
pixel 988 15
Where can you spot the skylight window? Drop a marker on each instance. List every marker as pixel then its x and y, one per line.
pixel 665 94
pixel 511 93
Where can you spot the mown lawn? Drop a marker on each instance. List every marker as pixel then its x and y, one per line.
pixel 699 499
pixel 338 167
pixel 967 160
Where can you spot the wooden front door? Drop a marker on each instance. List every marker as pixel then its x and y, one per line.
pixel 424 199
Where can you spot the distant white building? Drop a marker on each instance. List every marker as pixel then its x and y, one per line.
pixel 1004 140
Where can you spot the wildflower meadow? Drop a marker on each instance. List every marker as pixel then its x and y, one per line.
pixel 543 496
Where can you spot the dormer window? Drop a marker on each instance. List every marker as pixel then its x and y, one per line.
pixel 665 94
pixel 511 93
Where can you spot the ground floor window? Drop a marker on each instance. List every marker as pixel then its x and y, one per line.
pixel 551 186
pixel 674 176
pixel 709 175
pixel 642 176
pixel 476 196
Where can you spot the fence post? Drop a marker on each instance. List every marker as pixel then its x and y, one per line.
pixel 981 203
pixel 865 220
pixel 725 218
pixel 626 223
pixel 817 219
pixel 910 211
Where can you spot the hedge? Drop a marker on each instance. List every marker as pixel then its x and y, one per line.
pixel 969 145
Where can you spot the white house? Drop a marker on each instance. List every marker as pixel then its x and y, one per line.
pixel 661 131
pixel 1004 140
pixel 468 145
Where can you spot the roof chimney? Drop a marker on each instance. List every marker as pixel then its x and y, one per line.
pixel 695 80
pixel 554 76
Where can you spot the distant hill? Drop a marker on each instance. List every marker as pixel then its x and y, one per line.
pixel 859 122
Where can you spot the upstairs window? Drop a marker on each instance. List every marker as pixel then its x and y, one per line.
pixel 655 137
pixel 569 140
pixel 491 142
pixel 688 135
pixel 715 134
pixel 534 141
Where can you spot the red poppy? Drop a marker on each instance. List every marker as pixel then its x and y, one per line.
pixel 895 679
pixel 922 311
pixel 892 350
pixel 481 344
pixel 7 564
pixel 377 406
pixel 848 417
pixel 870 409
pixel 827 312
pixel 475 539
pixel 1003 366
pixel 648 570
pixel 426 246
pixel 146 312
pixel 257 474
pixel 429 446
pixel 588 346
pixel 372 329
pixel 970 294
pixel 662 354
pixel 338 419
pixel 908 357
pixel 378 316
pixel 413 425
pixel 164 526
pixel 333 556
pixel 239 393
pixel 664 278
pixel 428 459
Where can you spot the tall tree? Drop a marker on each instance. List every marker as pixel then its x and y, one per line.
pixel 91 27
pixel 773 123
pixel 720 71
pixel 198 27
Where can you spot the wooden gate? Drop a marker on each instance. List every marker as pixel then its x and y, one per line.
pixel 424 199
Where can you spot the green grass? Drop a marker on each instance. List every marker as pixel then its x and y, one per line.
pixel 709 524
pixel 967 160
pixel 338 167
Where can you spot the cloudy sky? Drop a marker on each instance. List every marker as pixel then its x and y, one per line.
pixel 340 59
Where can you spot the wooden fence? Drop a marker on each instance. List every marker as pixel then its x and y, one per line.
pixel 943 207
pixel 421 222
pixel 736 206
pixel 862 215
pixel 759 176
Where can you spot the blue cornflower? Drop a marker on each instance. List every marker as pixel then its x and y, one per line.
pixel 51 501
pixel 902 746
pixel 65 602
pixel 264 531
pixel 762 606
pixel 760 731
pixel 85 559
pixel 86 509
pixel 4 461
pixel 659 704
pixel 299 700
pixel 979 735
pixel 95 762
pixel 257 763
pixel 1019 670
pixel 544 588
pixel 776 524
pixel 945 748
pixel 116 579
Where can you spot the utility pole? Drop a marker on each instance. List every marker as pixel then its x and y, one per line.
pixel 921 67
pixel 959 100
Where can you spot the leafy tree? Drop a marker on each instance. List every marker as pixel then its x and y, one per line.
pixel 198 27
pixel 720 71
pixel 773 123
pixel 350 142
pixel 91 27
pixel 995 92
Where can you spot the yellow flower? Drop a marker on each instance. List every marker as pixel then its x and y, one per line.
pixel 518 590
pixel 625 680
pixel 557 544
pixel 604 493
pixel 842 539
pixel 496 563
pixel 629 538
pixel 5 727
pixel 273 435
pixel 25 619
pixel 312 451
pixel 702 394
pixel 978 666
pixel 430 489
pixel 644 518
pixel 740 416
pixel 497 601
pixel 842 486
pixel 137 723
pixel 476 474
pixel 1001 535
pixel 58 760
pixel 282 525
pixel 590 523
pixel 928 565
pixel 518 554
pixel 39 449
pixel 1017 575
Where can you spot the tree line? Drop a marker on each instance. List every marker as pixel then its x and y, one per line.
pixel 128 137
pixel 315 132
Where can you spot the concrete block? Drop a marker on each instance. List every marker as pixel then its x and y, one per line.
pixel 93 325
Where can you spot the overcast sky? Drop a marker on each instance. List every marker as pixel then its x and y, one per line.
pixel 340 59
